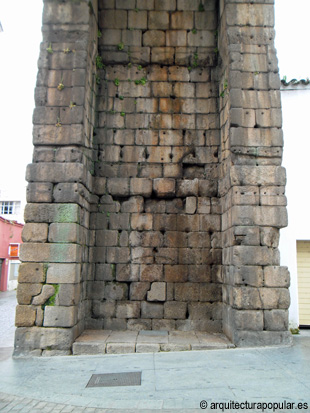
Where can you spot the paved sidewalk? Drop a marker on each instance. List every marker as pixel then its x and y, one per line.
pixel 176 381
pixel 7 318
pixel 120 342
pixel 170 381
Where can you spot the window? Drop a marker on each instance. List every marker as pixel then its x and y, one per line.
pixel 13 270
pixel 9 207
pixel 14 250
pixel 13 274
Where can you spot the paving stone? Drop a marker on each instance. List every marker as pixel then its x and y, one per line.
pixel 122 337
pixel 147 348
pixel 175 347
pixel 120 348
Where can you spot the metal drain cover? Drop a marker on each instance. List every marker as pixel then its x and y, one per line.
pixel 115 379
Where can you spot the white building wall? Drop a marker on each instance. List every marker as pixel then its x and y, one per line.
pixel 296 160
pixel 17 194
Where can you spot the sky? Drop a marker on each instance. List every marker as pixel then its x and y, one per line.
pixel 19 52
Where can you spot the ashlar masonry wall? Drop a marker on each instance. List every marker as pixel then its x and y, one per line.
pixel 156 192
pixel 158 241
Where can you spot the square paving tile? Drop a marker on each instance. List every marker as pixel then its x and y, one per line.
pixel 154 336
pixel 122 337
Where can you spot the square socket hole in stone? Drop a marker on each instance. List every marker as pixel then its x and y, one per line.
pixel 115 379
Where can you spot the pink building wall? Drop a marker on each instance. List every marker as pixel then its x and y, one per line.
pixel 10 233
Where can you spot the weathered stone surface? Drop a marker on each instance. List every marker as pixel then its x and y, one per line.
pixel 52 213
pixel 120 348
pixel 60 316
pixel 51 353
pixel 50 252
pixel 164 187
pixel 261 338
pixel 35 233
pixel 251 255
pixel 152 310
pixel 157 292
pixel 63 273
pixel 252 276
pixel 276 276
pixel 64 232
pixel 128 310
pixel 248 320
pixel 68 294
pixel 138 290
pixel 39 192
pixel 259 175
pixel 25 316
pixel 26 291
pixel 147 348
pixel 276 320
pixel 35 338
pixel 274 298
pixel 246 298
pixel 47 292
pixel 269 237
pixel 175 310
pixel 260 216
pixel 32 273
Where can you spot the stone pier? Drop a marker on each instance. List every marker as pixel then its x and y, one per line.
pixel 156 192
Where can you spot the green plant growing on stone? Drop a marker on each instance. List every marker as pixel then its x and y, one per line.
pixel 129 64
pixel 98 80
pixel 67 50
pixel 123 114
pixel 141 81
pixel 201 7
pixel 137 10
pixel 99 63
pixel 49 49
pixel 113 269
pixel 189 68
pixel 58 124
pixel 195 62
pixel 120 46
pixel 139 67
pixel 225 86
pixel 116 82
pixel 45 268
pixel 194 31
pixel 51 300
pixel 294 330
pixel 61 86
pixel 121 97
pixel 72 105
pixel 99 34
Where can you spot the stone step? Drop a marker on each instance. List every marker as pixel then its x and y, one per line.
pixel 94 342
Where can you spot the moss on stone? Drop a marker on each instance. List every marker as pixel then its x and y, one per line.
pixel 51 300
